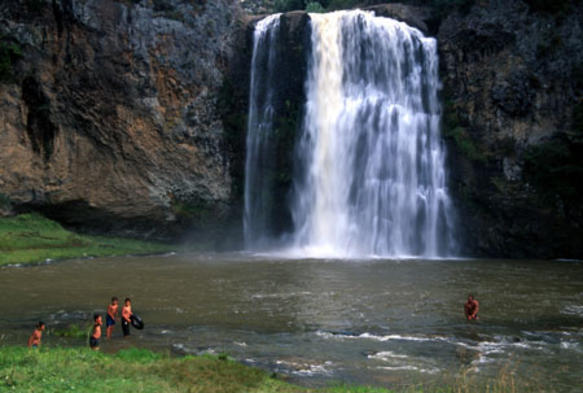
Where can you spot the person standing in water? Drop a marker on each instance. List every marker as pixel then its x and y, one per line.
pixel 126 317
pixel 36 336
pixel 471 308
pixel 96 334
pixel 111 316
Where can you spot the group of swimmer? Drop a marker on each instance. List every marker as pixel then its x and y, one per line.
pixel 471 308
pixel 34 341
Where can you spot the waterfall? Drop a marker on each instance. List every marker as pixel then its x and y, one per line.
pixel 370 164
pixel 260 153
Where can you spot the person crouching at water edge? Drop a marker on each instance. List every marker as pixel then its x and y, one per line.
pixel 96 333
pixel 126 317
pixel 36 336
pixel 471 308
pixel 111 316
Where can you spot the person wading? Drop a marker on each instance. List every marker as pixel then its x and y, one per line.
pixel 471 308
pixel 36 336
pixel 126 317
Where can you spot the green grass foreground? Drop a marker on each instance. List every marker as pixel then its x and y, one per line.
pixel 52 370
pixel 31 238
pixel 131 370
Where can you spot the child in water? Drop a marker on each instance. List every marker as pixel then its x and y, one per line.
pixel 126 317
pixel 96 333
pixel 36 336
pixel 111 316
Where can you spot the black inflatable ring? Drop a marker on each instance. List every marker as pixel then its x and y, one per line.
pixel 137 322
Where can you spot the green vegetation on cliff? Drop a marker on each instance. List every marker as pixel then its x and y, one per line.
pixel 454 130
pixel 33 238
pixel 10 52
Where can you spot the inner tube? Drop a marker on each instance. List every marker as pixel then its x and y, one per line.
pixel 137 322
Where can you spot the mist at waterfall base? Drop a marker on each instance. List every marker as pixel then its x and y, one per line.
pixel 369 165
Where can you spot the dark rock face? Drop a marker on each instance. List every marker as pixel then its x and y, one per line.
pixel 419 17
pixel 514 94
pixel 110 121
pixel 510 102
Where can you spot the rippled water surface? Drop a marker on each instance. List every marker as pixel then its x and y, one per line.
pixel 379 322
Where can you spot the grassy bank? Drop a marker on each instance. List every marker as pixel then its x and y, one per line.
pixel 33 238
pixel 134 370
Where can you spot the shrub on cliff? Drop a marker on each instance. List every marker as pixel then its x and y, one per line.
pixel 10 52
pixel 315 7
pixel 289 5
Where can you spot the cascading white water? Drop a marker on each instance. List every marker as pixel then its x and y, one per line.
pixel 370 177
pixel 259 127
pixel 375 181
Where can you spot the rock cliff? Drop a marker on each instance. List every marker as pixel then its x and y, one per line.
pixel 129 116
pixel 108 115
pixel 512 99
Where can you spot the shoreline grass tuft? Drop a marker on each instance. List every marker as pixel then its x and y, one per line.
pixel 33 238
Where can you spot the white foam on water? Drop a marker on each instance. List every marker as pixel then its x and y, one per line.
pixel 399 337
pixel 370 336
pixel 387 355
pixel 573 309
pixel 306 368
pixel 286 295
pixel 409 368
pixel 571 345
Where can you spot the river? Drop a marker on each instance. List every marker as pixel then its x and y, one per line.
pixel 380 322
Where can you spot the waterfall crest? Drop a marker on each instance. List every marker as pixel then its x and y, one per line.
pixel 370 176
